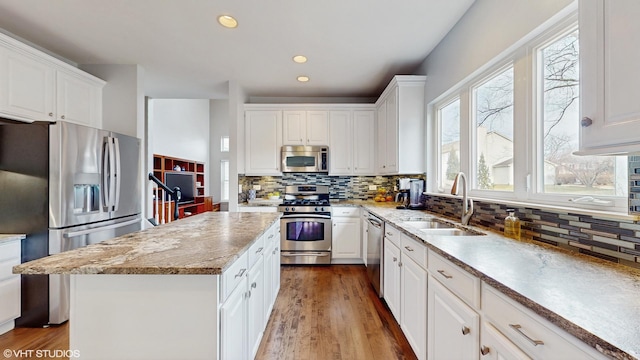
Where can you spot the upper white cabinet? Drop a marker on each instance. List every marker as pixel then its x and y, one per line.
pixel 609 74
pixel 351 142
pixel 400 124
pixel 37 87
pixel 305 127
pixel 263 140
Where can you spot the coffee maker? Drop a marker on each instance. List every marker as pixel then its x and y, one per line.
pixel 402 196
pixel 416 200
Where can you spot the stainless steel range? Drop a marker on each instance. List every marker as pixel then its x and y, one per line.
pixel 305 226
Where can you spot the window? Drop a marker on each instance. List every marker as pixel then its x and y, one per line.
pixel 224 180
pixel 561 172
pixel 493 113
pixel 224 144
pixel 513 127
pixel 449 120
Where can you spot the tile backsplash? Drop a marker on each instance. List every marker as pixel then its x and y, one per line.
pixel 613 240
pixel 340 187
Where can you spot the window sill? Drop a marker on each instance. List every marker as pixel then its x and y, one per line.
pixel 615 215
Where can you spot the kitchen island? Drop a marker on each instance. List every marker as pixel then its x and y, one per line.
pixel 165 292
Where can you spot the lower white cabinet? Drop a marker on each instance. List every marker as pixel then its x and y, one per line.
pixel 233 324
pixel 391 278
pixel 454 327
pixel 9 284
pixel 255 304
pixel 495 346
pixel 346 245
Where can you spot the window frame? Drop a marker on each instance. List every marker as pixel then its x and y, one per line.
pixel 527 173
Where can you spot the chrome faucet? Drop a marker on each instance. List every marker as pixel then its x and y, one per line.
pixel 467 204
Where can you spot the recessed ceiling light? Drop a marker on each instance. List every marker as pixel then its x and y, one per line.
pixel 228 21
pixel 300 59
pixel 303 78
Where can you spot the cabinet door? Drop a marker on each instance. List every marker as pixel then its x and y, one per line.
pixel 317 128
pixel 609 74
pixel 381 144
pixel 27 87
pixel 340 125
pixel 495 346
pixel 268 281
pixel 413 299
pixel 263 141
pixel 294 127
pixel 78 100
pixel 255 294
pixel 391 129
pixel 453 327
pixel 391 278
pixel 363 142
pixel 345 238
pixel 233 324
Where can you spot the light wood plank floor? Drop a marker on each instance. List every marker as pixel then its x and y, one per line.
pixel 322 312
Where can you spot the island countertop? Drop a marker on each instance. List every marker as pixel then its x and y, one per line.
pixel 201 244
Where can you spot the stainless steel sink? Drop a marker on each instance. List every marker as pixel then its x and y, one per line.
pixel 428 224
pixel 434 227
pixel 451 232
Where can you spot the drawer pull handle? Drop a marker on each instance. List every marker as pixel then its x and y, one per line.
pixel 253 285
pixel 240 273
pixel 465 330
pixel 271 236
pixel 484 350
pixel 408 248
pixel 446 276
pixel 259 250
pixel 518 328
pixel 389 234
pixel 395 259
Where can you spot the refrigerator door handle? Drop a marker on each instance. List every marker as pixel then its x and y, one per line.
pixel 112 177
pixel 105 172
pixel 116 174
pixel 101 228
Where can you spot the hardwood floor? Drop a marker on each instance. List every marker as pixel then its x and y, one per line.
pixel 331 312
pixel 322 312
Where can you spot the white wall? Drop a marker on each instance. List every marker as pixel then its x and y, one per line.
pixel 180 128
pixel 237 99
pixel 488 29
pixel 219 123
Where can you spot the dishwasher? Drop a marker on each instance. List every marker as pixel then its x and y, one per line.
pixel 375 230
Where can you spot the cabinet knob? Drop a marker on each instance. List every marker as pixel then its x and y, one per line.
pixel 484 350
pixel 400 264
pixel 62 117
pixel 586 122
pixel 395 259
pixel 253 285
pixel 50 114
pixel 465 330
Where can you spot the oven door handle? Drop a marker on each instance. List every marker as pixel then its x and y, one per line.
pixel 300 216
pixel 294 254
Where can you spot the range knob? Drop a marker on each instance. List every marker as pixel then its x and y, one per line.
pixel 286 209
pixel 316 209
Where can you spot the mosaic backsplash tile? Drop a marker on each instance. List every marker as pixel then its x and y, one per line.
pixel 614 240
pixel 340 187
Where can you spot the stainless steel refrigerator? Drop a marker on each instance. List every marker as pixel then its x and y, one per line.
pixel 65 186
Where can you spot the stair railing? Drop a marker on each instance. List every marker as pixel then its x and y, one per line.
pixel 174 193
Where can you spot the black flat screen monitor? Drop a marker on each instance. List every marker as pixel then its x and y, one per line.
pixel 186 181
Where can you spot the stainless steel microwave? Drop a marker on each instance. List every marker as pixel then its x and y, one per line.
pixel 314 159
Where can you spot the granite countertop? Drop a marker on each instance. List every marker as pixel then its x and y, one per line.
pixel 201 244
pixel 11 237
pixel 595 300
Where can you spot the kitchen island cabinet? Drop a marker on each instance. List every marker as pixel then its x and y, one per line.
pixel 10 254
pixel 176 291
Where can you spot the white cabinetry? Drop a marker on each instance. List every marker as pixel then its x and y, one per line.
pixel 255 304
pixel 609 74
pixel 352 139
pixel 9 284
pixel 271 269
pixel 234 311
pixel 495 346
pixel 37 87
pixel 263 141
pixel 305 127
pixel 400 124
pixel 346 247
pixel 391 278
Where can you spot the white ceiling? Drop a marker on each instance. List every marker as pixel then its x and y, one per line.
pixel 354 46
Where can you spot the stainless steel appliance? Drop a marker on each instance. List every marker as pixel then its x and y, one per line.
pixel 66 186
pixel 305 225
pixel 402 197
pixel 416 198
pixel 314 159
pixel 375 248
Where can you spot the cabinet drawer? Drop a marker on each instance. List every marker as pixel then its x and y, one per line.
pixel 538 337
pixel 5 268
pixel 10 250
pixel 460 282
pixel 10 299
pixel 392 234
pixel 233 276
pixel 257 249
pixel 345 211
pixel 414 249
pixel 272 236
